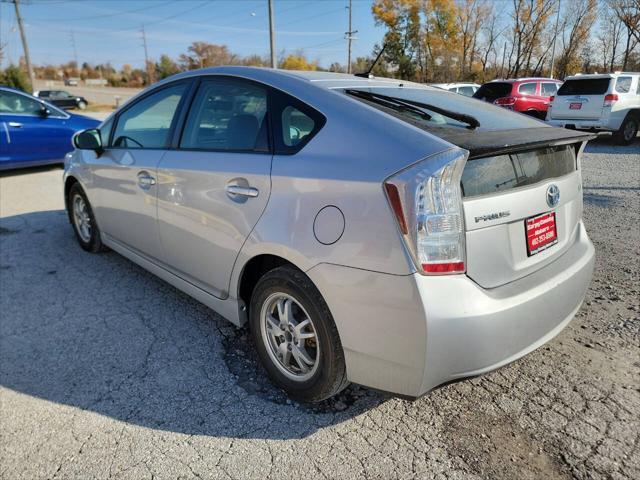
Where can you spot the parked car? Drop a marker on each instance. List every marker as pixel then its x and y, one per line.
pixel 369 230
pixel 525 95
pixel 62 99
pixel 467 89
pixel 71 82
pixel 33 132
pixel 608 102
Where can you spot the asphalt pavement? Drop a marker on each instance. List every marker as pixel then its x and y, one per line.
pixel 107 371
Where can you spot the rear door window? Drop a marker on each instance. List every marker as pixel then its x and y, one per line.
pixel 227 115
pixel 549 89
pixel 586 86
pixel 468 91
pixel 527 88
pixel 623 84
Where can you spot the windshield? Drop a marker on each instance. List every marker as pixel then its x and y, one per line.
pixel 490 117
pixel 587 86
pixel 492 91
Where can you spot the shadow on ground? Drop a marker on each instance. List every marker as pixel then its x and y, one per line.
pixel 98 333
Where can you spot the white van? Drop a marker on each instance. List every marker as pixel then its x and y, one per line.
pixel 608 102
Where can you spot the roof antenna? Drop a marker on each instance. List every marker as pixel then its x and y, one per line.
pixel 367 74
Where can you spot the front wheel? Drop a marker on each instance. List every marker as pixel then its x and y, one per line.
pixel 83 220
pixel 82 105
pixel 628 131
pixel 296 337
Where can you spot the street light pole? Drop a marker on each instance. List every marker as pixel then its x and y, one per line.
pixel 25 46
pixel 272 35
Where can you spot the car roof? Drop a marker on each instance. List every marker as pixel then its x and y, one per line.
pixel 600 75
pixel 327 80
pixel 525 79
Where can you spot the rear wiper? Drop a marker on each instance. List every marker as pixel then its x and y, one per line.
pixel 389 102
pixel 378 97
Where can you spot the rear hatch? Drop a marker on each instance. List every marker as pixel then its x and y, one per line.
pixel 522 211
pixel 516 163
pixel 580 99
pixel 490 92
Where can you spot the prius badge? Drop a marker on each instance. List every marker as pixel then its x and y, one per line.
pixel 553 195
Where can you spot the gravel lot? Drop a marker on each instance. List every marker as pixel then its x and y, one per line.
pixel 106 371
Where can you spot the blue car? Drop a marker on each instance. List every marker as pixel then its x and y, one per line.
pixel 33 132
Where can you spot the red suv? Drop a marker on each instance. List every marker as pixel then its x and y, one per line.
pixel 526 95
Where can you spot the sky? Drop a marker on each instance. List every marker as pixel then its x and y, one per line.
pixel 110 30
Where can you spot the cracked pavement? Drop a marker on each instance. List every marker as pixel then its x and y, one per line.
pixel 106 371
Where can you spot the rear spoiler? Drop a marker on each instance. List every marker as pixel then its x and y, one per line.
pixel 482 143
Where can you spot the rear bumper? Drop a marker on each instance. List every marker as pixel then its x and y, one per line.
pixel 409 334
pixel 589 125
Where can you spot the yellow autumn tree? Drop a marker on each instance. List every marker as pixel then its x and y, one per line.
pixel 297 61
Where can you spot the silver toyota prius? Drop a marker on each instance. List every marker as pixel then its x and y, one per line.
pixel 368 230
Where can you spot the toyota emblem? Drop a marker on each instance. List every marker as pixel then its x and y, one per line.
pixel 553 195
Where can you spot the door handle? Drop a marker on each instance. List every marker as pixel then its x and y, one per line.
pixel 244 191
pixel 15 124
pixel 145 181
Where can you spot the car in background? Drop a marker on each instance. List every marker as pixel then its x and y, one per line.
pixel 33 132
pixel 71 82
pixel 466 89
pixel 62 99
pixel 608 102
pixel 370 230
pixel 525 95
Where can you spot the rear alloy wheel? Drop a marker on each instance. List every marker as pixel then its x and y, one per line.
pixel 296 337
pixel 628 131
pixel 82 105
pixel 83 220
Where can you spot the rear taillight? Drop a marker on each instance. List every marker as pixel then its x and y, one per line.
pixel 426 200
pixel 551 98
pixel 609 99
pixel 505 101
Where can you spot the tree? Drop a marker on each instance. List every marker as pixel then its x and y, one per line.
pixel 576 26
pixel 628 11
pixel 204 54
pixel 530 20
pixel 297 61
pixel 15 77
pixel 166 67
pixel 470 16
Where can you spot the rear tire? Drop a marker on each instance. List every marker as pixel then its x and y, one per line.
pixel 82 105
pixel 308 364
pixel 83 221
pixel 627 131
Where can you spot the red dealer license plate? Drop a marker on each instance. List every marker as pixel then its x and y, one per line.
pixel 541 232
pixel 575 106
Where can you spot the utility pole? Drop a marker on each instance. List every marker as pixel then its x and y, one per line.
pixel 147 66
pixel 504 54
pixel 349 36
pixel 75 50
pixel 555 34
pixel 272 35
pixel 25 46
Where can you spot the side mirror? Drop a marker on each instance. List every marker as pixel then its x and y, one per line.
pixel 88 140
pixel 44 111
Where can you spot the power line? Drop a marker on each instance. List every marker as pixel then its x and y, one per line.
pixel 107 15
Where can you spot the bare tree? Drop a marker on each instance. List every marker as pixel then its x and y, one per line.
pixel 628 11
pixel 609 38
pixel 530 20
pixel 578 19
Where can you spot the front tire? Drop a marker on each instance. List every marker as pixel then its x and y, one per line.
pixel 82 105
pixel 296 337
pixel 628 131
pixel 83 221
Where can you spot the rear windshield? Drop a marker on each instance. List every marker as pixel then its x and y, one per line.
pixel 492 91
pixel 491 117
pixel 587 86
pixel 489 175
